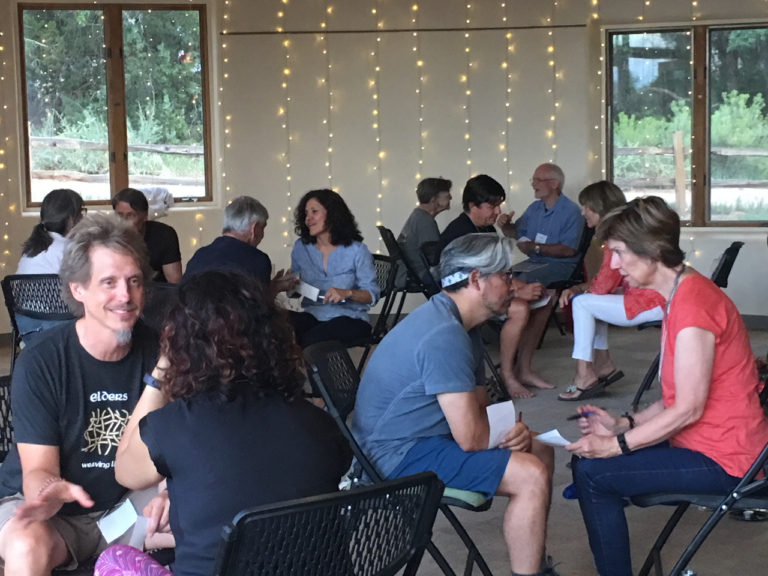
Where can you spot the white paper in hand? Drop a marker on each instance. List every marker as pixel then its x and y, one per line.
pixel 552 438
pixel 540 302
pixel 308 291
pixel 117 522
pixel 501 418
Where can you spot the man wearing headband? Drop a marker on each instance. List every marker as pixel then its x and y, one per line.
pixel 421 403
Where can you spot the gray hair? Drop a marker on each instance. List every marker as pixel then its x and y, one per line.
pixel 556 173
pixel 92 231
pixel 242 212
pixel 486 253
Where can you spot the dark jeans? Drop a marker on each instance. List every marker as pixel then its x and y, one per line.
pixel 602 485
pixel 309 330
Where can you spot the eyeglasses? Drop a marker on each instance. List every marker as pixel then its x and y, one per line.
pixel 540 180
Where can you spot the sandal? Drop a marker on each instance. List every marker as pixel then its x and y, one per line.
pixel 586 393
pixel 613 377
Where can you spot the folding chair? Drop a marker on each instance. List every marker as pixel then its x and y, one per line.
pixel 386 271
pixel 720 277
pixel 742 497
pixel 36 296
pixel 334 375
pixel 414 284
pixel 578 276
pixel 159 298
pixel 380 530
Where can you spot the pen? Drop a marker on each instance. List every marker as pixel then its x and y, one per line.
pixel 577 416
pixel 519 416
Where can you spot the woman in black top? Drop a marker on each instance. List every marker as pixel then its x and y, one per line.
pixel 226 427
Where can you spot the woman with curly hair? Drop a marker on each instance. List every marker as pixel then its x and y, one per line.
pixel 330 255
pixel 222 421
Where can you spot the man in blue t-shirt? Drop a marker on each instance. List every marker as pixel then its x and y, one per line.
pixel 245 219
pixel 421 403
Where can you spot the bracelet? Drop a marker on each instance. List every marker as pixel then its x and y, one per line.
pixel 630 419
pixel 48 483
pixel 150 381
pixel 623 445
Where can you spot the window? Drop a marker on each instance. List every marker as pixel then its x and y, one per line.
pixel 115 96
pixel 687 120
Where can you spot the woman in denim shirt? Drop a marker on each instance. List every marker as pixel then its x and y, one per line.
pixel 330 255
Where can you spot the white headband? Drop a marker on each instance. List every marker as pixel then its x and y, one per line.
pixel 454 278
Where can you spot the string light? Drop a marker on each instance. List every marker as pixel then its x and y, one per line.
pixel 377 119
pixel 507 110
pixel 551 54
pixel 284 113
pixel 468 92
pixel 6 144
pixel 227 139
pixel 419 90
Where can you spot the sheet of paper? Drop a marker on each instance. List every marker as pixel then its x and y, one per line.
pixel 139 533
pixel 552 438
pixel 523 239
pixel 308 291
pixel 501 418
pixel 540 302
pixel 117 522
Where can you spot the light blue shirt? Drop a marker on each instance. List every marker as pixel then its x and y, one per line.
pixel 348 267
pixel 426 354
pixel 561 224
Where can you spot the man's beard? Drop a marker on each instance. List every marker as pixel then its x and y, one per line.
pixel 124 336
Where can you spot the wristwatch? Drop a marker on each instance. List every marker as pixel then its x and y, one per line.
pixel 537 248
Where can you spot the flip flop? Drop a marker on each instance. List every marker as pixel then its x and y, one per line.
pixel 613 377
pixel 586 393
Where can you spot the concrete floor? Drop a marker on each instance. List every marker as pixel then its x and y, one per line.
pixel 733 548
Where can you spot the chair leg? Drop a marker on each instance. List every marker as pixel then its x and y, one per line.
pixel 496 376
pixel 648 379
pixel 546 326
pixel 698 540
pixel 361 365
pixel 440 560
pixel 473 554
pixel 654 556
pixel 14 348
pixel 399 308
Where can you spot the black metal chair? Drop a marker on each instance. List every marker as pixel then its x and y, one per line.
pixel 386 271
pixel 742 497
pixel 578 276
pixel 6 425
pixel 414 284
pixel 35 296
pixel 380 530
pixel 335 377
pixel 159 298
pixel 720 277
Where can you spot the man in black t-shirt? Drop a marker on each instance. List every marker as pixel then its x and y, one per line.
pixel 245 219
pixel 72 394
pixel 161 240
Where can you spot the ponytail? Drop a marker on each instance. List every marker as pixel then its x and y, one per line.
pixel 38 242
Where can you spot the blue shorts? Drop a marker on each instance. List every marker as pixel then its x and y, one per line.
pixel 473 471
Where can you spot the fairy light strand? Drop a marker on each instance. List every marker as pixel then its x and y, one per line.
pixel 419 89
pixel 377 121
pixel 468 93
pixel 285 113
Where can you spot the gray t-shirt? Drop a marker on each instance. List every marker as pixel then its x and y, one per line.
pixel 418 229
pixel 427 354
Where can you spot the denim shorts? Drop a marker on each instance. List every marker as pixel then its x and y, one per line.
pixel 473 471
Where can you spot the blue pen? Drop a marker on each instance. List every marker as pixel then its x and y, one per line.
pixel 577 416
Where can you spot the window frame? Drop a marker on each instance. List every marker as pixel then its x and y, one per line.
pixel 700 112
pixel 117 144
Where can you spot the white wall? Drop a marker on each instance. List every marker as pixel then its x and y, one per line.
pixel 252 148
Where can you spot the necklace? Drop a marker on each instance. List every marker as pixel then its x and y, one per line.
pixel 666 314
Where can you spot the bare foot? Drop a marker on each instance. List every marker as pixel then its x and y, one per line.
pixel 533 379
pixel 514 388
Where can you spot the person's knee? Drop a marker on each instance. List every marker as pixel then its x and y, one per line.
pixel 526 475
pixel 517 311
pixel 36 540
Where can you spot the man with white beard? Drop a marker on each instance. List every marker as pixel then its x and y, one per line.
pixel 72 394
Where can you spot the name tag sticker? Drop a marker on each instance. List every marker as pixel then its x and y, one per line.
pixel 541 238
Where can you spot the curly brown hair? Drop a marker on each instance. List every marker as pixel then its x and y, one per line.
pixel 226 332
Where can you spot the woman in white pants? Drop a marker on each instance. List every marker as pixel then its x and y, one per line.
pixel 606 299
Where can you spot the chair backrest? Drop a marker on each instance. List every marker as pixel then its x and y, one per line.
pixel 391 243
pixel 374 531
pixel 579 273
pixel 36 296
pixel 335 376
pixel 725 265
pixel 159 298
pixel 6 425
pixel 386 273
